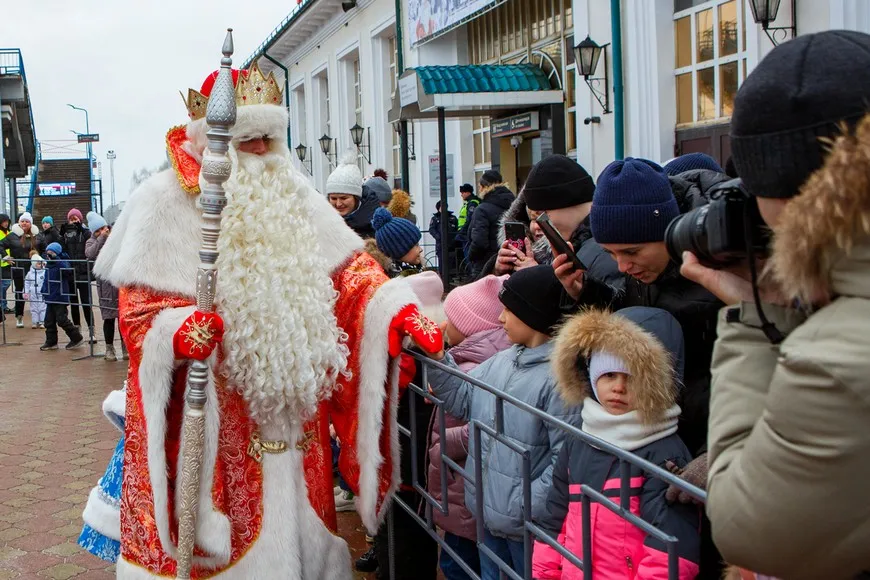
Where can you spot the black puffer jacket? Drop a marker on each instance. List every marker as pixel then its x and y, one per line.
pixel 695 308
pixel 73 239
pixel 48 236
pixel 483 233
pixel 360 219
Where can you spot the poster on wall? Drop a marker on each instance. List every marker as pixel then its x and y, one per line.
pixel 430 18
pixel 435 176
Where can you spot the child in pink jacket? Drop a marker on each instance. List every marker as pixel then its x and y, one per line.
pixel 474 335
pixel 625 369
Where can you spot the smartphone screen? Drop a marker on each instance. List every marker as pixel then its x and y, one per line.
pixel 515 233
pixel 558 243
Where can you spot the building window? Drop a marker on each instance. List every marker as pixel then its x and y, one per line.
pixel 394 85
pixel 482 145
pixel 298 108
pixel 324 118
pixel 358 108
pixel 710 63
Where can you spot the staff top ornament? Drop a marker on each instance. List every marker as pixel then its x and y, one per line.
pixel 252 87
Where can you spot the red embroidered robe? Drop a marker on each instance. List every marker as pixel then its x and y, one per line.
pixel 238 480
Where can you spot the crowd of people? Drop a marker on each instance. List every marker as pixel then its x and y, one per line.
pixel 51 271
pixel 750 385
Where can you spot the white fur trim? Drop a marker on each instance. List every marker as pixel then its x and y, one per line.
pixel 388 300
pixel 155 376
pixel 293 538
pixel 156 240
pixel 114 408
pixel 19 231
pixel 101 516
pixel 254 121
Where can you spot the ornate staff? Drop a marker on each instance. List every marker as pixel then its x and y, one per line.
pixel 216 167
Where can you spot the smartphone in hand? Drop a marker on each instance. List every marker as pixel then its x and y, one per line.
pixel 558 243
pixel 515 235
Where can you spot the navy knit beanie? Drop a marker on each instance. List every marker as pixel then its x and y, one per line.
pixel 691 161
pixel 395 236
pixel 633 203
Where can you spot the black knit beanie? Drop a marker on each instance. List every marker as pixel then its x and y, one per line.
pixel 490 177
pixel 556 182
pixel 533 295
pixel 797 94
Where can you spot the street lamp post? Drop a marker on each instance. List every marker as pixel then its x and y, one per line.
pixel 88 131
pixel 111 157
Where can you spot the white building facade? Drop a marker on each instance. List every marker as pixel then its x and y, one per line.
pixel 682 63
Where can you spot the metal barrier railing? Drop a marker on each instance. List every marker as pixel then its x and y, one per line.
pixel 530 528
pixel 77 285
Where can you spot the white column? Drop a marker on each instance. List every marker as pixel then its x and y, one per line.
pixel 850 15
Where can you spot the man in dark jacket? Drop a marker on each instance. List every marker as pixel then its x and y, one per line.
pixel 483 233
pixel 633 205
pixel 48 234
pixel 74 235
pixel 435 231
pixel 56 291
pixel 563 189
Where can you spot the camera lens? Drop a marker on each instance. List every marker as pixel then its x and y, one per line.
pixel 688 232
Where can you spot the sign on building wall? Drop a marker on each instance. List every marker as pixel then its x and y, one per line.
pixel 435 176
pixel 514 125
pixel 57 189
pixel 430 18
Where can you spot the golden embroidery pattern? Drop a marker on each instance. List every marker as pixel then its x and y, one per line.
pixel 199 334
pixel 258 446
pixel 423 325
pixel 309 438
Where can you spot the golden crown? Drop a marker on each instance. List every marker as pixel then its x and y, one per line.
pixel 253 88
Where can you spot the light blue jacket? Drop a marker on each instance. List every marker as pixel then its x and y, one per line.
pixel 525 374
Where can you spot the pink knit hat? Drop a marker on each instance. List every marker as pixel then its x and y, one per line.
pixel 428 287
pixel 475 307
pixel 74 212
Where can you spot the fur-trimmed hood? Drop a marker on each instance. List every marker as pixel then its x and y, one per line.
pixel 822 243
pixel 648 340
pixel 371 248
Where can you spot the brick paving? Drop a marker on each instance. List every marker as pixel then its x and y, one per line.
pixel 54 446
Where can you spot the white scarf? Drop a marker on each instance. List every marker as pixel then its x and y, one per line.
pixel 626 431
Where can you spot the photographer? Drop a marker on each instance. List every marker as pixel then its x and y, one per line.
pixel 789 439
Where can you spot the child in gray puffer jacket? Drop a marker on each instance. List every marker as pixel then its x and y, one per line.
pixel 531 311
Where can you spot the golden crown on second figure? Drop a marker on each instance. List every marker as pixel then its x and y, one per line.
pixel 252 88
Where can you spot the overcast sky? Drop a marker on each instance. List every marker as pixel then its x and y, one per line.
pixel 125 62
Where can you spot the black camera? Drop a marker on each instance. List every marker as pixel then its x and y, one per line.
pixel 721 232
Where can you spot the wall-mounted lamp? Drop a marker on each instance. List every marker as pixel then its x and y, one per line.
pixel 357 134
pixel 398 127
pixel 589 120
pixel 348 5
pixel 586 55
pixel 302 153
pixel 326 147
pixel 764 12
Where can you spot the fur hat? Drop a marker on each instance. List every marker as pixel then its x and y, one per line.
pixel 648 340
pixel 345 179
pixel 400 203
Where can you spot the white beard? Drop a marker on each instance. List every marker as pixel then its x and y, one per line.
pixel 283 348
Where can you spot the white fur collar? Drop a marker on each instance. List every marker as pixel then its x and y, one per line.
pixel 19 231
pixel 156 241
pixel 626 431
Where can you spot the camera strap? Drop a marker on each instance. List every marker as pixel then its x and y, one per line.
pixel 770 330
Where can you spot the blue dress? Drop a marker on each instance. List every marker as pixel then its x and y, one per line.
pixel 102 530
pixel 109 491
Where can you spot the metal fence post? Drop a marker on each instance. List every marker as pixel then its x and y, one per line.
pixel 91 326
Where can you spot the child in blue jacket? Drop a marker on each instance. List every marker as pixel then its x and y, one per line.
pixel 56 291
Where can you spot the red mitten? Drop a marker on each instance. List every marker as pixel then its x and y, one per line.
pixel 198 336
pixel 409 322
pixel 407 370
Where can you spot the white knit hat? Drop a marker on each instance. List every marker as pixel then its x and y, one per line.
pixel 346 178
pixel 601 363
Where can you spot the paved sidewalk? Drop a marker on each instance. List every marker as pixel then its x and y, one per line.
pixel 54 446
